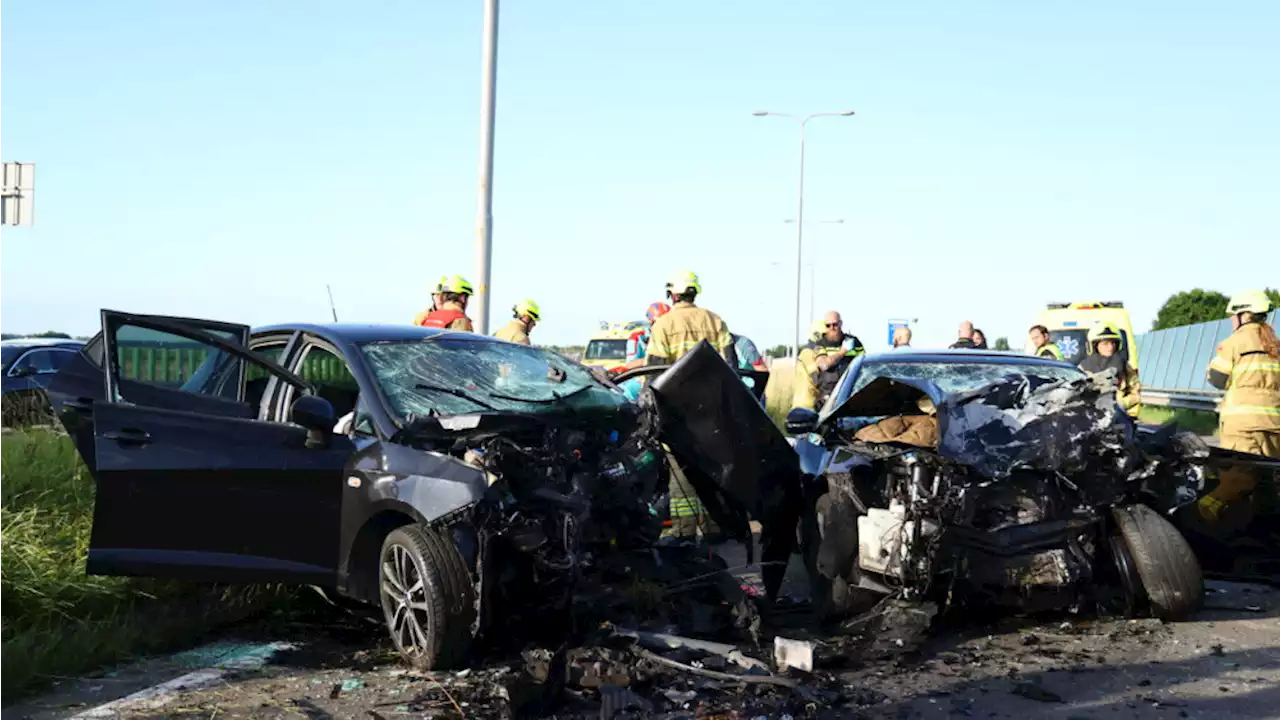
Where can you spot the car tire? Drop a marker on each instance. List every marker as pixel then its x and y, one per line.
pixel 431 625
pixel 1171 577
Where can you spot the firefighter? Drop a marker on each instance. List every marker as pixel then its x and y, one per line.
pixel 1105 340
pixel 451 308
pixel 821 362
pixel 673 335
pixel 677 332
pixel 525 315
pixel 435 301
pixel 1044 345
pixel 1247 366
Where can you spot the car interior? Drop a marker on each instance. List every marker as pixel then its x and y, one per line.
pixel 332 379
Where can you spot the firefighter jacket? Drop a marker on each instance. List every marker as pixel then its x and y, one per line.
pixel 1251 378
pixel 451 318
pixel 813 384
pixel 513 331
pixel 679 331
pixel 1129 392
pixel 1049 350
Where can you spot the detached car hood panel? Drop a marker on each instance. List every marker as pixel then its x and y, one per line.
pixel 729 447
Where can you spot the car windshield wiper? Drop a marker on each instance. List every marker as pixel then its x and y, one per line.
pixel 555 396
pixel 454 392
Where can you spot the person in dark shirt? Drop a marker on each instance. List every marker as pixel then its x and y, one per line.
pixel 979 340
pixel 965 342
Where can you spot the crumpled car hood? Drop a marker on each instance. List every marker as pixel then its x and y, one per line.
pixel 1017 423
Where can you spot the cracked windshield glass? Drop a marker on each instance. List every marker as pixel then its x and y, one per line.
pixel 454 376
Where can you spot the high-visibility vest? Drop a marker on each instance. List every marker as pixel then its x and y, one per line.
pixel 440 318
pixel 1050 350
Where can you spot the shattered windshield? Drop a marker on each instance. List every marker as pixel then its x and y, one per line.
pixel 958 376
pixel 457 375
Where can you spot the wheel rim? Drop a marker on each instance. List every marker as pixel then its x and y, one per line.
pixel 404 600
pixel 1130 583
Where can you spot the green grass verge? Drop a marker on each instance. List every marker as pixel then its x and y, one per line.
pixel 59 622
pixel 1197 421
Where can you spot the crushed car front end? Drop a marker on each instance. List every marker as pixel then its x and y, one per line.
pixel 1010 494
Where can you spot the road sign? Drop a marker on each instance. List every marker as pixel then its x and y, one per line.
pixel 893 326
pixel 19 193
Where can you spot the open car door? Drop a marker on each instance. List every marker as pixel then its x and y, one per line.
pixel 730 449
pixel 190 482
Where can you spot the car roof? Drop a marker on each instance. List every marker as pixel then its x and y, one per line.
pixel 40 342
pixel 995 357
pixel 363 333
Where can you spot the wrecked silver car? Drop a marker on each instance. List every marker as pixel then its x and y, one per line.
pixel 979 480
pixel 461 483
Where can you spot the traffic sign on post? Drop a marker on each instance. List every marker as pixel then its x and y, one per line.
pixel 893 326
pixel 19 193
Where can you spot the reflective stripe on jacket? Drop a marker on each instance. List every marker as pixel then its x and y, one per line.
pixel 812 384
pixel 676 333
pixel 1251 378
pixel 1050 350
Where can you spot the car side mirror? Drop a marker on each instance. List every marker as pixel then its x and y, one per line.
pixel 801 421
pixel 316 415
pixel 24 371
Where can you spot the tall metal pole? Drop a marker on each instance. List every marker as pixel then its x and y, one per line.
pixel 800 207
pixel 484 215
pixel 799 235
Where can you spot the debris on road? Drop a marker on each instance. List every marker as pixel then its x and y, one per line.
pixel 796 654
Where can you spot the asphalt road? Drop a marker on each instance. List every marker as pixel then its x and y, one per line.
pixel 1225 663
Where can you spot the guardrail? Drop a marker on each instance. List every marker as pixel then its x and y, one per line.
pixel 1187 399
pixel 1174 361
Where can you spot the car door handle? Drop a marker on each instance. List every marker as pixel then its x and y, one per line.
pixel 128 436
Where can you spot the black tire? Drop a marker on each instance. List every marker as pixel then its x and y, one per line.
pixel 1170 574
pixel 433 630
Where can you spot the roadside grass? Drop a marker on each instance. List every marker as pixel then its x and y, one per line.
pixel 1200 422
pixel 59 622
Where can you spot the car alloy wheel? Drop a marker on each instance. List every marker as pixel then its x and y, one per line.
pixel 404 598
pixel 427 595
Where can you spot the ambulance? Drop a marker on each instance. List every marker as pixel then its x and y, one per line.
pixel 1069 325
pixel 607 348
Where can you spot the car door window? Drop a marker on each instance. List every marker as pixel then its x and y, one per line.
pixel 160 368
pixel 40 362
pixel 330 375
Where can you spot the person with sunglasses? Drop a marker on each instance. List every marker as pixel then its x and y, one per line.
pixel 823 360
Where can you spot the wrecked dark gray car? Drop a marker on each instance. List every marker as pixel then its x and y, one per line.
pixel 460 482
pixel 980 480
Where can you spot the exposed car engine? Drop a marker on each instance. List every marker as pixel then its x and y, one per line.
pixel 559 496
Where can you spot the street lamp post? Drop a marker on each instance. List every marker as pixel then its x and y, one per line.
pixel 484 213
pixel 813 262
pixel 800 200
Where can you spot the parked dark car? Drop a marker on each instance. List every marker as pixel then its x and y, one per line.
pixel 469 480
pixel 29 364
pixel 983 479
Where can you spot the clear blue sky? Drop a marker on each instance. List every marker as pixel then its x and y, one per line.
pixel 229 159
